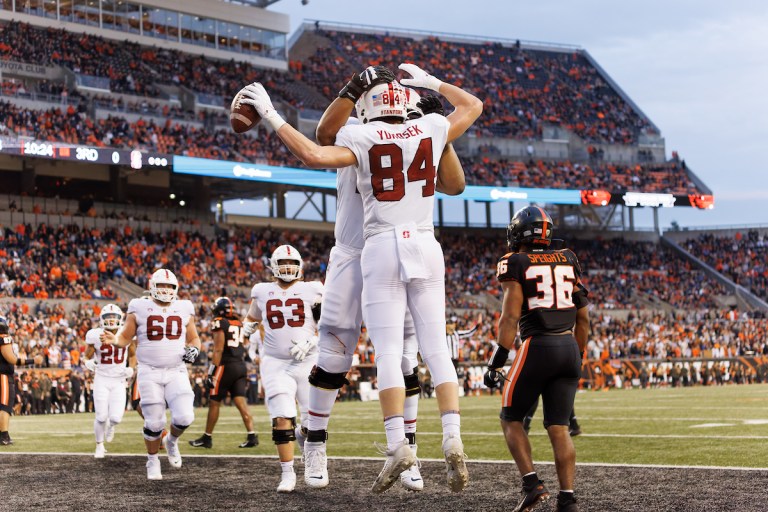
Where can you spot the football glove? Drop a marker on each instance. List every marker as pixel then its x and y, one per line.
pixel 361 82
pixel 128 372
pixel 431 104
pixel 249 328
pixel 90 364
pixel 209 379
pixel 420 78
pixel 300 349
pixel 256 96
pixel 493 378
pixel 190 354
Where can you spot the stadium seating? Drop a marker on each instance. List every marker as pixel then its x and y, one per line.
pixel 522 88
pixel 741 258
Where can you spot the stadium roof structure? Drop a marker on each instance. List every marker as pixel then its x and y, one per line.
pixel 253 3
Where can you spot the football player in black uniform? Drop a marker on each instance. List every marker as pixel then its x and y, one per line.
pixel 227 373
pixel 544 298
pixel 8 358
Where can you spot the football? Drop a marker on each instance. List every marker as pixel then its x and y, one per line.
pixel 242 117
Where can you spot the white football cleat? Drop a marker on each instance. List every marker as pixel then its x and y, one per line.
pixel 315 465
pixel 110 432
pixel 172 449
pixel 153 470
pixel 100 451
pixel 411 477
pixel 287 482
pixel 398 460
pixel 455 464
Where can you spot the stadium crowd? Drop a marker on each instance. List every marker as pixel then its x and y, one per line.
pixel 523 88
pixel 743 258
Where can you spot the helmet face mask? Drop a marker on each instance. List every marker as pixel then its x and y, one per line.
pixel 111 317
pixel 382 101
pixel 411 100
pixel 530 226
pixel 167 293
pixel 286 264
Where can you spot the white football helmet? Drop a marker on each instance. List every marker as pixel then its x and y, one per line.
pixel 286 272
pixel 111 317
pixel 163 276
pixel 383 100
pixel 411 99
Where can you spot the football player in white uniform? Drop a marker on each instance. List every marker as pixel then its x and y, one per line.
pixel 166 338
pixel 396 164
pixel 288 309
pixel 112 371
pixel 338 329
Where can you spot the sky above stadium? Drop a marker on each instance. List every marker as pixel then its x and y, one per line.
pixel 697 68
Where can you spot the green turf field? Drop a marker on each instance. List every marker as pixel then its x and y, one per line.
pixel 713 426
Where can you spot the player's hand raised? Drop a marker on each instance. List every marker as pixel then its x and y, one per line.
pixel 256 96
pixel 108 338
pixel 420 78
pixel 361 82
pixel 431 104
pixel 300 349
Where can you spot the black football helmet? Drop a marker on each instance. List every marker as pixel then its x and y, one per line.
pixel 4 326
pixel 531 225
pixel 223 306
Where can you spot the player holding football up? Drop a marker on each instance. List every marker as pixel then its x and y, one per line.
pixel 166 338
pixel 111 371
pixel 288 309
pixel 402 264
pixel 339 329
pixel 543 295
pixel 227 373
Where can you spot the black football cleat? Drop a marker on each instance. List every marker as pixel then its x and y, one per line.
pixel 203 441
pixel 253 440
pixel 574 429
pixel 532 497
pixel 5 439
pixel 566 505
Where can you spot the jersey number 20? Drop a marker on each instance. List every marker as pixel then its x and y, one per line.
pixel 387 177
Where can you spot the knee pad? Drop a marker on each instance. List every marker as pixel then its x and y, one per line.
pixel 283 436
pixel 116 420
pixel 102 418
pixel 412 386
pixel 182 421
pixel 181 427
pixel 152 435
pixel 325 380
pixel 388 371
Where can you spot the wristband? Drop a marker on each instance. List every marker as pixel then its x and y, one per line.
pixel 211 369
pixel 431 82
pixel 275 120
pixel 498 357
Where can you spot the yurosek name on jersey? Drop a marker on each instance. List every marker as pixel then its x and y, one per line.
pixel 411 131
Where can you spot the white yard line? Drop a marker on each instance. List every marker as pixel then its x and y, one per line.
pixel 472 461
